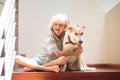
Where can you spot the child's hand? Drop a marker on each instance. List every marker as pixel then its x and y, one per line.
pixel 78 50
pixel 79 45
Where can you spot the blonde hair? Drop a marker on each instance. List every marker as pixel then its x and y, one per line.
pixel 61 17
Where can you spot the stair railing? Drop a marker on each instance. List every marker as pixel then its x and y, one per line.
pixel 7 39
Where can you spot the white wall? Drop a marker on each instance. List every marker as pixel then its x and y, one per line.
pixel 34 18
pixel 113 28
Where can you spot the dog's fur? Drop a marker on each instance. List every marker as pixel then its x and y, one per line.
pixel 73 39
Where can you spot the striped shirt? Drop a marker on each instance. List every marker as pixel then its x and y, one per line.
pixel 52 43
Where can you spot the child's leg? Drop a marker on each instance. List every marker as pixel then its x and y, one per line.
pixel 59 61
pixel 23 60
pixel 29 63
pixel 43 68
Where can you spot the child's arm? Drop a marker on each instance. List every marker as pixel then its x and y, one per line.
pixel 63 53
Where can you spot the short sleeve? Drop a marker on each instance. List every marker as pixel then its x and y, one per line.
pixel 51 44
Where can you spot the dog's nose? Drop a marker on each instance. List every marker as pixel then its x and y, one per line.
pixel 80 41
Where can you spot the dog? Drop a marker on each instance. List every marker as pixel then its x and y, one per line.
pixel 73 39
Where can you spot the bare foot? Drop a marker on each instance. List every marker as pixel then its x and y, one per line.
pixel 54 68
pixel 26 69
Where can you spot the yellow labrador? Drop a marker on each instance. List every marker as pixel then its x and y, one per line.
pixel 73 39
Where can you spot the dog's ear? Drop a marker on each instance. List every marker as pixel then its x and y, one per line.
pixel 80 25
pixel 66 28
pixel 83 27
pixel 70 28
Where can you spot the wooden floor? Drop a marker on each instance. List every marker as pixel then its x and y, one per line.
pixel 103 72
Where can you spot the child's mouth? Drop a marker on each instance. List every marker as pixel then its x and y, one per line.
pixel 57 29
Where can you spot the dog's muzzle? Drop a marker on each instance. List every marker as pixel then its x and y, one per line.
pixel 80 40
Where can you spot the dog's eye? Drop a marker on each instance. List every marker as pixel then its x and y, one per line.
pixel 81 33
pixel 76 33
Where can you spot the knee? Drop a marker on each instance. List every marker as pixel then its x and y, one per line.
pixel 17 58
pixel 63 60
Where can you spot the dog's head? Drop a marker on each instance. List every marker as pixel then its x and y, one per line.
pixel 75 33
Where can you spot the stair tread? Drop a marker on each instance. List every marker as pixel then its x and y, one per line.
pixel 101 73
pixel 97 70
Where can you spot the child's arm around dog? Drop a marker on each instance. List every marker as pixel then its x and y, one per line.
pixel 63 53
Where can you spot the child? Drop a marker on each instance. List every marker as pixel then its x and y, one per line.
pixel 51 55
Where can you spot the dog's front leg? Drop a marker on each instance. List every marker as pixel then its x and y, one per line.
pixel 63 68
pixel 84 66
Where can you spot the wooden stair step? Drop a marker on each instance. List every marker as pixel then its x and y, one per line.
pixel 99 74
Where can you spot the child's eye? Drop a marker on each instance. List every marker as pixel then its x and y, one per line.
pixel 55 24
pixel 60 24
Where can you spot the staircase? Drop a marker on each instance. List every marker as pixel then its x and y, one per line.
pixel 103 72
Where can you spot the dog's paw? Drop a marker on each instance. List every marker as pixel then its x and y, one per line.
pixel 87 69
pixel 83 68
pixel 90 69
pixel 62 69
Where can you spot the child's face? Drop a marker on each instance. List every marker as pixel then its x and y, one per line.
pixel 58 28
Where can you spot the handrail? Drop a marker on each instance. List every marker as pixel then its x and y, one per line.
pixel 7 39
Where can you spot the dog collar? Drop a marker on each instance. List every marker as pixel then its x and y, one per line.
pixel 69 41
